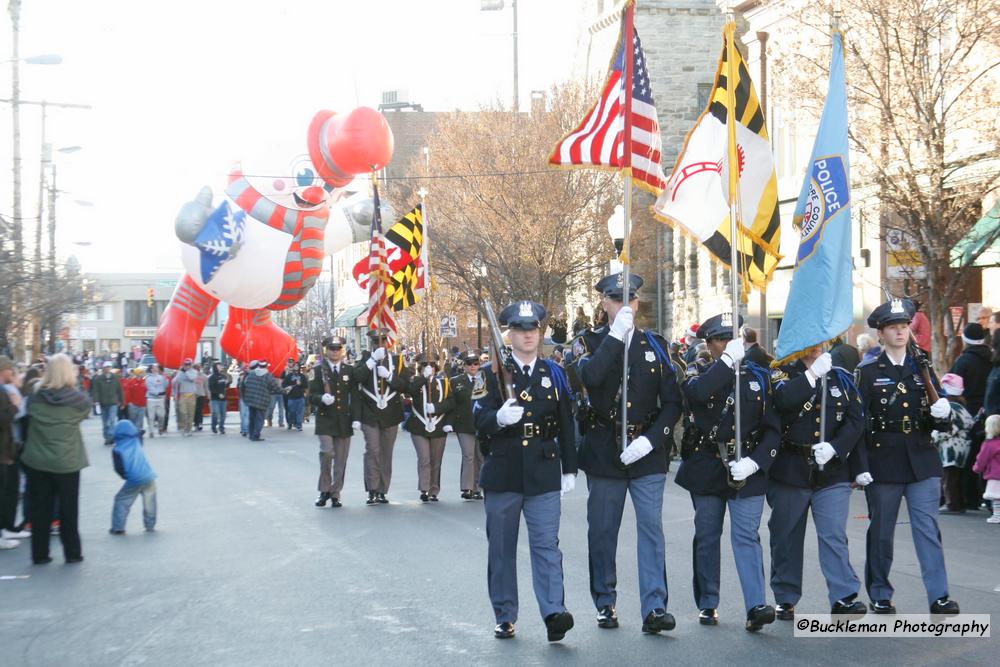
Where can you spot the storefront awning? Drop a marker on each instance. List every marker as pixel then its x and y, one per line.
pixel 348 318
pixel 984 237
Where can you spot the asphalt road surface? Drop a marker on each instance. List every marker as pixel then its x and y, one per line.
pixel 243 569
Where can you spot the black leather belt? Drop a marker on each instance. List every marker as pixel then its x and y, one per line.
pixel 904 425
pixel 704 443
pixel 546 431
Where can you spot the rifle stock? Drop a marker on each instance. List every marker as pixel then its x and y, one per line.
pixel 499 354
pixel 925 369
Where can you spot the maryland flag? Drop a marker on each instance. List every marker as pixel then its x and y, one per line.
pixel 697 195
pixel 406 250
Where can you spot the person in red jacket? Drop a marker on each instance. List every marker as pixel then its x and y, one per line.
pixel 134 389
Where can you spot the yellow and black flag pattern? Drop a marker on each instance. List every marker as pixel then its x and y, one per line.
pixel 407 280
pixel 697 195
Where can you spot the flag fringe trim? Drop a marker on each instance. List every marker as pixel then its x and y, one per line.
pixel 795 356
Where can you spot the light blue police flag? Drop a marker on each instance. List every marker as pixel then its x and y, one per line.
pixel 820 300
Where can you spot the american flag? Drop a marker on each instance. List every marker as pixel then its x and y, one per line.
pixel 379 308
pixel 599 139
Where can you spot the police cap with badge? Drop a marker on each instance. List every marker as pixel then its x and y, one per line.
pixel 892 312
pixel 334 343
pixel 525 315
pixel 613 286
pixel 719 327
pixel 380 332
pixel 425 358
pixel 470 358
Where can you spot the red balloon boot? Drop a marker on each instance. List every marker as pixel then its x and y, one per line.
pixel 182 323
pixel 251 335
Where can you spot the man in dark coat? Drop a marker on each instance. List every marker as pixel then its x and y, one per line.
pixel 333 392
pixel 973 366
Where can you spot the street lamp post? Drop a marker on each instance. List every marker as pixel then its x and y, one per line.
pixel 496 5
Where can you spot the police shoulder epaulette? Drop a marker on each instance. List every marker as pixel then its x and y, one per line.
pixel 779 374
pixel 867 362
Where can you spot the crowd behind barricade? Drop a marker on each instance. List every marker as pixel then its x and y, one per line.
pixel 680 408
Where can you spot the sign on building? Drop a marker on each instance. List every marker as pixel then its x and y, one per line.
pixel 449 326
pixel 902 257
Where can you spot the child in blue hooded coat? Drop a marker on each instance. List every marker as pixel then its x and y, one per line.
pixel 132 466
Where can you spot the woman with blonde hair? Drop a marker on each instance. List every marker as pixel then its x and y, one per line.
pixel 53 457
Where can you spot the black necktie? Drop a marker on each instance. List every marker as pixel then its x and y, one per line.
pixel 527 370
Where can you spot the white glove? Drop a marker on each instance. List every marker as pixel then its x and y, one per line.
pixel 568 484
pixel 820 367
pixel 371 364
pixel 428 372
pixel 327 399
pixel 623 323
pixel 509 413
pixel 734 352
pixel 429 409
pixel 383 372
pixel 941 408
pixel 864 479
pixel 743 468
pixel 356 426
pixel 378 354
pixel 448 429
pixel 823 452
pixel 636 450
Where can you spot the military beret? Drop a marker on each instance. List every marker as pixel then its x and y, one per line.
pixel 522 315
pixel 612 286
pixel 891 312
pixel 719 326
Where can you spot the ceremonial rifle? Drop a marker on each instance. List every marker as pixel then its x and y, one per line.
pixel 500 354
pixel 924 364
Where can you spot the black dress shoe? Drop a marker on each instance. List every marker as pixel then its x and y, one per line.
pixel 477 495
pixel 75 559
pixel 466 494
pixel 708 617
pixel 759 616
pixel 434 499
pixel 372 499
pixel 504 630
pixel 42 561
pixel 323 497
pixel 944 607
pixel 784 612
pixel 882 607
pixel 424 498
pixel 658 620
pixel 607 617
pixel 335 502
pixel 851 607
pixel 558 624
pixel 382 499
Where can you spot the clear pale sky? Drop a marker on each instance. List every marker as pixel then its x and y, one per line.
pixel 180 90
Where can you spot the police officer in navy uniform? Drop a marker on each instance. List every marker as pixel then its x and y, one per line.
pixel 897 459
pixel 530 460
pixel 711 474
pixel 812 471
pixel 466 385
pixel 639 466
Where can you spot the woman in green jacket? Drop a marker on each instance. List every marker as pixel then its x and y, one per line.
pixel 54 456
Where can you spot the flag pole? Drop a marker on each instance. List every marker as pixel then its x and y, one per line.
pixel 627 39
pixel 835 28
pixel 734 179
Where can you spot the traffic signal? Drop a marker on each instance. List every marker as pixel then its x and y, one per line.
pixel 149 297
